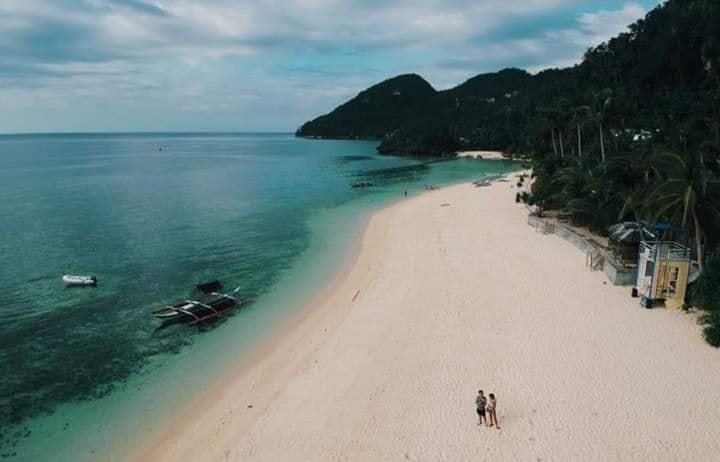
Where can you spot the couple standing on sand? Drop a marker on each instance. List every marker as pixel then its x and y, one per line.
pixel 486 409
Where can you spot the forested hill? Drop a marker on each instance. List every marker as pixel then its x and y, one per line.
pixel 411 117
pixel 662 63
pixel 374 112
pixel 630 133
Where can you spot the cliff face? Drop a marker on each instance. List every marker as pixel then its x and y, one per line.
pixel 374 112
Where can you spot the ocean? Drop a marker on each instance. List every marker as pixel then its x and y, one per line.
pixel 86 372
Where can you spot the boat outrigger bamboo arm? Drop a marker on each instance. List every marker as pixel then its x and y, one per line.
pixel 184 311
pixel 171 307
pixel 204 306
pixel 228 295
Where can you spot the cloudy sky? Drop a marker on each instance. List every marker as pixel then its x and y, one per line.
pixel 264 65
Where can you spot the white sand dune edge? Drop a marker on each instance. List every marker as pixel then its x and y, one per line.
pixel 451 299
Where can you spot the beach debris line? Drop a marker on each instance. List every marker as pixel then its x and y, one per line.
pixel 208 302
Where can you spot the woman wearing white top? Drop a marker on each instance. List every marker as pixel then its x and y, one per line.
pixel 492 411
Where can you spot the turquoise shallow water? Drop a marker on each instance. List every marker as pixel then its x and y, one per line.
pixel 86 372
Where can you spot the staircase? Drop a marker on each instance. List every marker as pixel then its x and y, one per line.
pixel 594 260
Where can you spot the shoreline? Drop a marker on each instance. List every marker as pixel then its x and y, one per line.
pixel 434 302
pixel 318 309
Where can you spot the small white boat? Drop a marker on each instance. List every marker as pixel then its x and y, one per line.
pixel 70 280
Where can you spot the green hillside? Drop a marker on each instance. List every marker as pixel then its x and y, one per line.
pixel 374 112
pixel 630 133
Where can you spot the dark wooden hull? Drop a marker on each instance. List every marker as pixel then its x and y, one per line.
pixel 195 312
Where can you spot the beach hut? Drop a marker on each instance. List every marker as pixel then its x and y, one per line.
pixel 624 241
pixel 663 271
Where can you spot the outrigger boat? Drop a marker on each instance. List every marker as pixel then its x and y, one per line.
pixel 209 304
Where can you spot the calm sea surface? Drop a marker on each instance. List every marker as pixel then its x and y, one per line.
pixel 86 372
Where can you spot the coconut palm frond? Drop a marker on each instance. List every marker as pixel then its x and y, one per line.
pixel 658 213
pixel 714 209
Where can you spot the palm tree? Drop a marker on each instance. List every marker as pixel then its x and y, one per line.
pixel 601 103
pixel 552 119
pixel 687 193
pixel 547 123
pixel 580 115
pixel 561 114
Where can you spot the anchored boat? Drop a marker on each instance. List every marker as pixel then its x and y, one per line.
pixel 210 303
pixel 76 281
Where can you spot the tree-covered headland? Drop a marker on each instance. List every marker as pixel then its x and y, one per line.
pixel 631 132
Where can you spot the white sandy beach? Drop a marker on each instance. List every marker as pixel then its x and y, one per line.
pixel 443 300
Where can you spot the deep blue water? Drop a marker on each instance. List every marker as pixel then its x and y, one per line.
pixel 152 215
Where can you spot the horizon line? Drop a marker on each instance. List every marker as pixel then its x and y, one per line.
pixel 159 132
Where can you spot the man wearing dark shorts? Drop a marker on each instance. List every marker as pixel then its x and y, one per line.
pixel 480 403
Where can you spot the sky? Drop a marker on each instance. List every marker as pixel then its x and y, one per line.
pixel 264 65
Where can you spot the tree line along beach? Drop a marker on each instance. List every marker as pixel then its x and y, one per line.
pixel 551 237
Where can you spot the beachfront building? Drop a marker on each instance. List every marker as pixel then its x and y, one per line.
pixel 663 272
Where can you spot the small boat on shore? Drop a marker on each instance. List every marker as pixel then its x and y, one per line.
pixel 209 303
pixel 79 281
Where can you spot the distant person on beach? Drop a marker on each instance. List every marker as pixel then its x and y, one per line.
pixel 492 411
pixel 406 193
pixel 480 404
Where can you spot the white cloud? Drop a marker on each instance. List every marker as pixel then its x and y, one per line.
pixel 227 27
pixel 595 28
pixel 551 48
pixel 198 55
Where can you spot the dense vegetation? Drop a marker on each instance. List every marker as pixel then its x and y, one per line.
pixel 637 136
pixel 632 132
pixel 488 111
pixel 375 111
pixel 705 296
